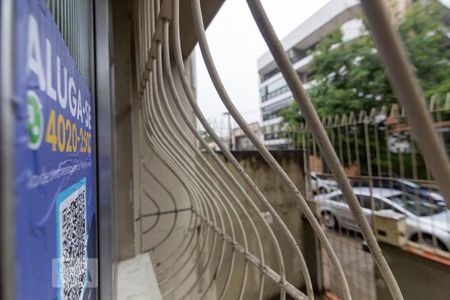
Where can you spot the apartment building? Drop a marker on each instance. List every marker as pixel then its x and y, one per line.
pixel 274 92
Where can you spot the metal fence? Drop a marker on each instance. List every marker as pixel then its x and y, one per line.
pixel 381 159
pixel 377 143
pixel 220 224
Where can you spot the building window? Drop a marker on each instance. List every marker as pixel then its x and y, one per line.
pixel 270 74
pixel 272 115
pixel 274 89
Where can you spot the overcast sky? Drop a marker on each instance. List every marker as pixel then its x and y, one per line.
pixel 236 44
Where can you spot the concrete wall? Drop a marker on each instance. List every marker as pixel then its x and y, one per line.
pixel 285 204
pixel 419 277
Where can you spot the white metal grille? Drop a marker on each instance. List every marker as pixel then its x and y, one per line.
pixel 219 224
pixel 75 22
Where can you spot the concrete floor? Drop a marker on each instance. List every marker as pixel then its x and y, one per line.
pixel 136 279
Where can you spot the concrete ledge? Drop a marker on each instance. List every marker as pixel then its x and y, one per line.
pixel 136 279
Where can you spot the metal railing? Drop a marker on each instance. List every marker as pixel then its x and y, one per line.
pixel 380 155
pixel 377 143
pixel 219 224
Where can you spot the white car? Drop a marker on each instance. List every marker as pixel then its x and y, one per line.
pixel 422 218
pixel 322 186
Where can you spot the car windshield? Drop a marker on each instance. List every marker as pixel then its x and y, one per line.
pixel 408 183
pixel 416 205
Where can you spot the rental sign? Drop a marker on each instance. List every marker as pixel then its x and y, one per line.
pixel 55 184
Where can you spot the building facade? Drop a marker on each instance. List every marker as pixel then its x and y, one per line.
pixel 274 92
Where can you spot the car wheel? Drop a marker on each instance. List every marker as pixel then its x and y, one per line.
pixel 329 220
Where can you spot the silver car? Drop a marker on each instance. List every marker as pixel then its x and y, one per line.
pixel 422 218
pixel 320 185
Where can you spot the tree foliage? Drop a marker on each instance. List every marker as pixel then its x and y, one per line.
pixel 349 76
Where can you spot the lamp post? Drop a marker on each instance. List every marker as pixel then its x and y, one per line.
pixel 229 130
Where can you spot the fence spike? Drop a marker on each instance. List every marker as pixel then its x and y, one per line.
pixel 336 120
pixel 362 116
pixel 373 112
pixel 394 111
pixel 393 116
pixel 352 119
pixel 330 121
pixel 344 120
pixel 436 103
pixel 447 102
pixel 302 126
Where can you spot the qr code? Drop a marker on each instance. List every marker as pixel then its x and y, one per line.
pixel 72 244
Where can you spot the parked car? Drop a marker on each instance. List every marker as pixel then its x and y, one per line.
pixel 410 187
pixel 413 188
pixel 422 217
pixel 322 186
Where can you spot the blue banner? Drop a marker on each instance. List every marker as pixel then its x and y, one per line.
pixel 55 192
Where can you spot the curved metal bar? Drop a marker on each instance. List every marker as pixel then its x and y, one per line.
pixel 169 158
pixel 189 255
pixel 209 257
pixel 192 221
pixel 175 217
pixel 288 287
pixel 144 216
pixel 155 116
pixel 204 48
pixel 180 244
pixel 313 121
pixel 212 153
pixel 190 186
pixel 163 262
pixel 228 154
pixel 193 147
pixel 187 166
pixel 189 143
pixel 178 248
pixel 192 192
pixel 231 158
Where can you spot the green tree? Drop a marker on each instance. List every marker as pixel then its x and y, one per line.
pixel 349 76
pixel 427 39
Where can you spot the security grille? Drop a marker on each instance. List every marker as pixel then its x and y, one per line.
pixel 75 22
pixel 219 224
